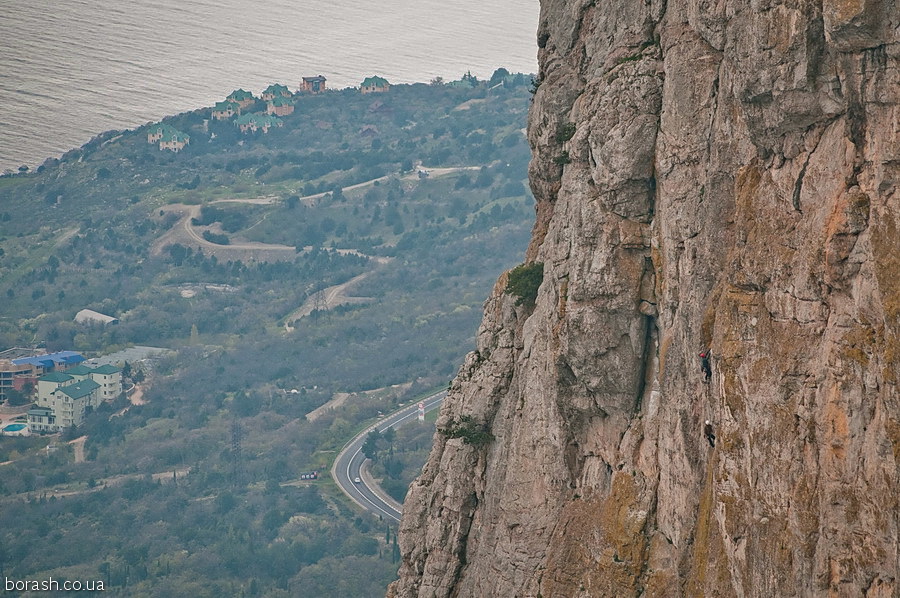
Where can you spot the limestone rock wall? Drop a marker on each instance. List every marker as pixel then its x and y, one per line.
pixel 708 173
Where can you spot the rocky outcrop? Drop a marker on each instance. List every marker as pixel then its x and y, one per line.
pixel 708 173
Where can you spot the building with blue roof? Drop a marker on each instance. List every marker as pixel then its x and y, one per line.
pixel 16 372
pixel 61 360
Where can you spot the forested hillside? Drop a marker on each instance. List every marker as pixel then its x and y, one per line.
pixel 347 250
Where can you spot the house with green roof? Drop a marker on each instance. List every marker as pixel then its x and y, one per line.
pixel 168 137
pixel 72 402
pixel 109 378
pixel 79 390
pixel 250 123
pixel 276 90
pixel 157 131
pixel 174 141
pixel 374 84
pixel 80 372
pixel 49 383
pixel 280 106
pixel 64 399
pixel 225 110
pixel 242 97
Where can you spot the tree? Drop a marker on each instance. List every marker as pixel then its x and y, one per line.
pixel 245 405
pixel 524 281
pixel 17 397
pixel 71 433
pixel 499 76
pixel 370 446
pixel 389 436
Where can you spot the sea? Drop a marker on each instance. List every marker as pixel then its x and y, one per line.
pixel 70 69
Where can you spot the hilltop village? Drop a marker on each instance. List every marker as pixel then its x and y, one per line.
pixel 251 114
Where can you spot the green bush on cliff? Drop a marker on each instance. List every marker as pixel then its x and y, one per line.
pixel 469 430
pixel 524 281
pixel 565 132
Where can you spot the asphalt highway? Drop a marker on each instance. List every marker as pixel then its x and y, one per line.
pixel 346 468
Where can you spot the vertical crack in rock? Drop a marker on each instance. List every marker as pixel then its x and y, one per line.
pixel 798 185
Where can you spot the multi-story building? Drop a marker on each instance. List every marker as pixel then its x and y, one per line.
pixel 9 372
pixel 110 380
pixel 63 399
pixel 15 373
pixel 41 419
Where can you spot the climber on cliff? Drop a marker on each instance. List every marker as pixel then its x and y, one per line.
pixel 708 432
pixel 704 364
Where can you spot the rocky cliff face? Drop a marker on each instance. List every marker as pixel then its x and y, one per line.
pixel 709 173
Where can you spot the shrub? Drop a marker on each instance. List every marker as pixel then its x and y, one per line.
pixel 524 281
pixel 216 238
pixel 565 132
pixel 562 159
pixel 469 430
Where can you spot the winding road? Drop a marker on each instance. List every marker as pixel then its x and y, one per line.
pixel 349 463
pixel 184 229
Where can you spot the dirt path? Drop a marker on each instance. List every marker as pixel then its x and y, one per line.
pixel 164 477
pixel 326 299
pixel 184 231
pixel 339 398
pixel 137 397
pixel 414 175
pixel 78 446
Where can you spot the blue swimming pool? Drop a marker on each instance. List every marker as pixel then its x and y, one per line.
pixel 15 427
